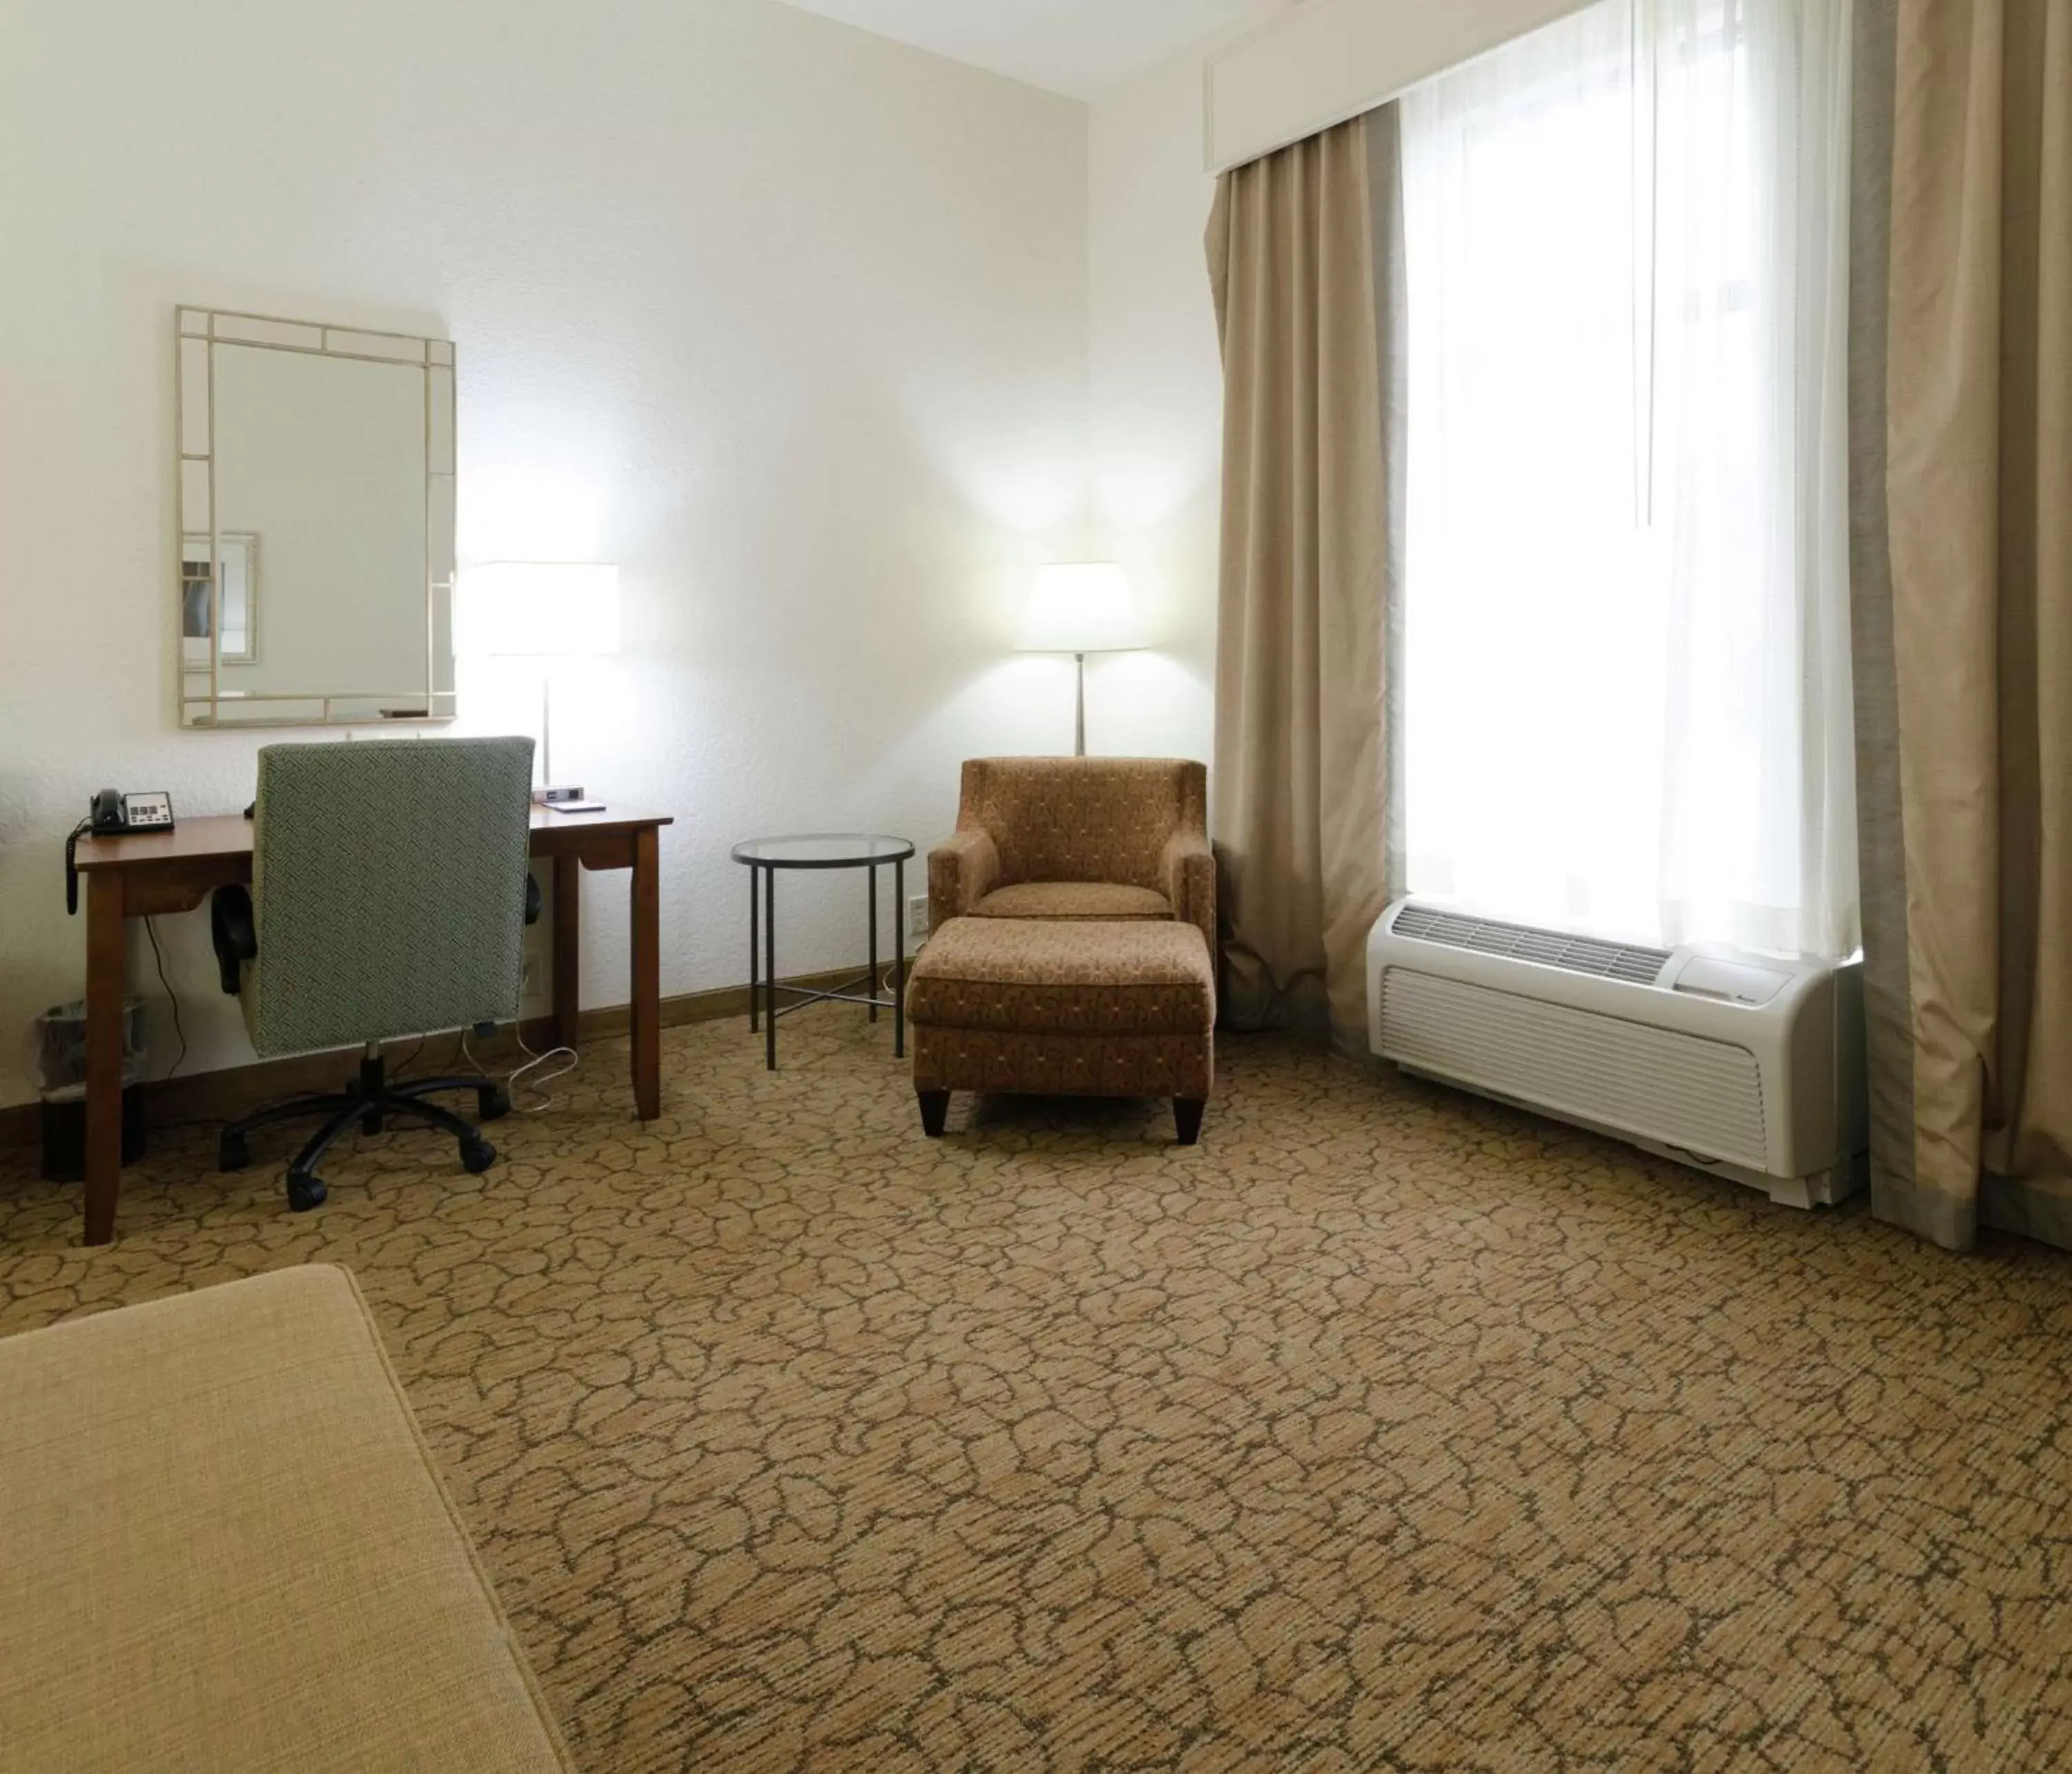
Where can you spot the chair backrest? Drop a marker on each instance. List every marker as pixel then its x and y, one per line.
pixel 387 889
pixel 1083 819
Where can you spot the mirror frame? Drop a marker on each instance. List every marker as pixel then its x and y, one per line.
pixel 203 702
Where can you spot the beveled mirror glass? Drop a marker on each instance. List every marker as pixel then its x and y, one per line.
pixel 314 564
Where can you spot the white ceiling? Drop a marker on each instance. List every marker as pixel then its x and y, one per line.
pixel 1080 48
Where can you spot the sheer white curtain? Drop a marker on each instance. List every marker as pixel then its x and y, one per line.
pixel 1626 683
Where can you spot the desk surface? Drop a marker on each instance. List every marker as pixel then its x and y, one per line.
pixel 230 834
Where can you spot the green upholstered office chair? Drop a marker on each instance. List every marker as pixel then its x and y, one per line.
pixel 390 889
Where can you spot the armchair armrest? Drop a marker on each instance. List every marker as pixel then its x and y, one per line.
pixel 1187 871
pixel 961 872
pixel 232 930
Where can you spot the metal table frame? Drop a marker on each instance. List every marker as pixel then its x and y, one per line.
pixel 763 985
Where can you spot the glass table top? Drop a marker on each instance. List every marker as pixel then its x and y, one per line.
pixel 823 850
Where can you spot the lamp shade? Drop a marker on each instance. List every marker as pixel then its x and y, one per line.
pixel 556 608
pixel 1082 606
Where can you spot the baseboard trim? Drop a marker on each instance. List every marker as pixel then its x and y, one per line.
pixel 224 1094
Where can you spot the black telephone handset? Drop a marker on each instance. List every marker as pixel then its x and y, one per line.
pixel 114 814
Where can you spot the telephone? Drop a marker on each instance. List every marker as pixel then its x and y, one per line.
pixel 112 814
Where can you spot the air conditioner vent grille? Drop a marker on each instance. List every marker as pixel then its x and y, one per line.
pixel 1636 965
pixel 1702 1096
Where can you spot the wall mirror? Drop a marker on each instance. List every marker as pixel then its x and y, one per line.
pixel 316 559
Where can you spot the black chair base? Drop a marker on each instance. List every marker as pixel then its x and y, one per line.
pixel 366 1103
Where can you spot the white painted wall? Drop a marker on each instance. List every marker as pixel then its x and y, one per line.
pixel 1324 61
pixel 787 320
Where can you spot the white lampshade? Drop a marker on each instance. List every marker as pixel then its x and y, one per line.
pixel 556 608
pixel 1082 606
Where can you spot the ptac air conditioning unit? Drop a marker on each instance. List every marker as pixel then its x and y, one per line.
pixel 1741 1065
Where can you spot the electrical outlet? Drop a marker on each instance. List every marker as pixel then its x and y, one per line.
pixel 917 916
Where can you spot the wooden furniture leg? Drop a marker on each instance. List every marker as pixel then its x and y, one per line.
pixel 647 910
pixel 1187 1117
pixel 567 950
pixel 105 968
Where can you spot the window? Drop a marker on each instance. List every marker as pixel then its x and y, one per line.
pixel 1626 659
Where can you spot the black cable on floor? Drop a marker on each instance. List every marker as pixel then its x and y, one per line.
pixel 151 930
pixel 407 1060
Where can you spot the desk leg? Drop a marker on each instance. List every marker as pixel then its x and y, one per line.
pixel 648 972
pixel 105 965
pixel 568 951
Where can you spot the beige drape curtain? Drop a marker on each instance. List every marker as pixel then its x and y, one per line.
pixel 1978 489
pixel 1311 372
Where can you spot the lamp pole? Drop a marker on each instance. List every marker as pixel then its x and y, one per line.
pixel 546 723
pixel 1080 715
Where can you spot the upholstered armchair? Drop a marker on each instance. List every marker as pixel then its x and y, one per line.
pixel 1105 839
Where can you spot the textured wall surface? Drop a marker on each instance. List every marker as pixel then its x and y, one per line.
pixel 787 320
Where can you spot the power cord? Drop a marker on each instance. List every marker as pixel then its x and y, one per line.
pixel 567 1057
pixel 407 1060
pixel 157 956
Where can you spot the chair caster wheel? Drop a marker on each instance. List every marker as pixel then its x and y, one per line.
pixel 232 1153
pixel 305 1191
pixel 476 1156
pixel 492 1102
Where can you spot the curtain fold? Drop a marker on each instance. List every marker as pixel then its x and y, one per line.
pixel 1310 319
pixel 1977 499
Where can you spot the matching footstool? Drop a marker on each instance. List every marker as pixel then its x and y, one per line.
pixel 1074 1008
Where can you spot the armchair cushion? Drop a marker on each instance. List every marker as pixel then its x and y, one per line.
pixel 1069 899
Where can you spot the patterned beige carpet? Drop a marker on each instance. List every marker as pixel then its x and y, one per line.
pixel 1386 1429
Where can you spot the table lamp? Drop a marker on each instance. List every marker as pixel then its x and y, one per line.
pixel 547 610
pixel 1081 607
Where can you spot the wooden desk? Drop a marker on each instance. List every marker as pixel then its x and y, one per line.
pixel 143 875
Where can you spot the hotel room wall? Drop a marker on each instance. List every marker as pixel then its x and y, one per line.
pixel 1154 379
pixel 787 320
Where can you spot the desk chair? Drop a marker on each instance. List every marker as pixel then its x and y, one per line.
pixel 390 889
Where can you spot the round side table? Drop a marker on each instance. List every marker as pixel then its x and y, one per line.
pixel 764 856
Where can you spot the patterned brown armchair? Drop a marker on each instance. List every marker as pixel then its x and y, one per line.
pixel 1078 838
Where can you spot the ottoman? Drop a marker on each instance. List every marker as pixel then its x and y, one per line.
pixel 223 1545
pixel 1077 1008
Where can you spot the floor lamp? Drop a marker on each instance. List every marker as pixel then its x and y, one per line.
pixel 1081 607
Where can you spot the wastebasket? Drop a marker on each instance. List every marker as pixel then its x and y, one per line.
pixel 60 1040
